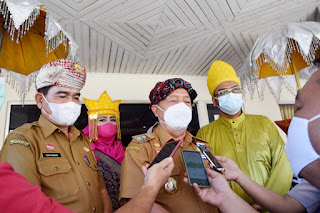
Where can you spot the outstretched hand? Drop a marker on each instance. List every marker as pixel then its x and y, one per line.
pixel 158 174
pixel 231 170
pixel 219 186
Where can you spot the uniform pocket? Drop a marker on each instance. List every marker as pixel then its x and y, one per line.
pixel 57 178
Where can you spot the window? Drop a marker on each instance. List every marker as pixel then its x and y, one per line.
pixel 134 119
pixel 212 112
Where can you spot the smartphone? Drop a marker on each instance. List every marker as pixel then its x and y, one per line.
pixel 210 156
pixel 195 168
pixel 168 150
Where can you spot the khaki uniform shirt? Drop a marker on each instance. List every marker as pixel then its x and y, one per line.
pixel 65 170
pixel 139 154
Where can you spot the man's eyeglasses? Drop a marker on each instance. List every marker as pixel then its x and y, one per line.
pixel 235 90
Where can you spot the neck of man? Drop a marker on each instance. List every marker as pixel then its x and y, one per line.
pixel 225 115
pixel 62 128
pixel 177 135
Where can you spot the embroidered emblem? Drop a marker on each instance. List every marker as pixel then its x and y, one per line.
pixel 134 147
pixel 171 186
pixel 78 67
pixel 86 149
pixel 157 145
pixel 143 137
pixel 19 141
pixel 50 147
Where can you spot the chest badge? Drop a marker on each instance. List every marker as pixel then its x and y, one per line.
pixel 157 146
pixel 171 186
pixel 86 149
pixel 50 147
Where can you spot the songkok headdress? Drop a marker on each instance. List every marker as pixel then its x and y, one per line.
pixel 61 72
pixel 103 106
pixel 164 88
pixel 220 72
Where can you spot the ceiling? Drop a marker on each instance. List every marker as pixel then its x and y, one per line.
pixel 171 37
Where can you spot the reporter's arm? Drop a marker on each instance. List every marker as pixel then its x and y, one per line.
pixel 221 195
pixel 154 179
pixel 266 198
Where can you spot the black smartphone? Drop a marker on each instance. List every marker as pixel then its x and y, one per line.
pixel 168 150
pixel 195 168
pixel 210 156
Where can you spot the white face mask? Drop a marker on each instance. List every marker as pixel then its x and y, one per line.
pixel 177 116
pixel 299 149
pixel 231 103
pixel 64 114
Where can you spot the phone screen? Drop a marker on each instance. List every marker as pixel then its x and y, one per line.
pixel 195 168
pixel 168 150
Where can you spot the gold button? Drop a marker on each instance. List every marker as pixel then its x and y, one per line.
pixel 56 168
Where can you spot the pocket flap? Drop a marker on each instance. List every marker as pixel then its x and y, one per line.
pixel 53 166
pixel 91 163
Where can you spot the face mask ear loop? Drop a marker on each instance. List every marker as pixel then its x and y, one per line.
pixel 47 103
pixel 162 111
pixel 314 118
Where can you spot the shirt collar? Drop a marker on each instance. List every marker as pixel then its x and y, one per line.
pixel 48 127
pixel 164 136
pixel 232 122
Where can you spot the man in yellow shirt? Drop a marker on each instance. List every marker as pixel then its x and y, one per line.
pixel 252 141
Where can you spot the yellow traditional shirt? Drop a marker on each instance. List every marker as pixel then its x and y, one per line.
pixel 253 142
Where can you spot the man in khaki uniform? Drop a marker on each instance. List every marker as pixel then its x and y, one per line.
pixel 171 102
pixel 51 152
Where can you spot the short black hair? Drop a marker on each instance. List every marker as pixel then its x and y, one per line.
pixel 44 90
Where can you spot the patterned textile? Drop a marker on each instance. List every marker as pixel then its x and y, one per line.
pixel 164 88
pixel 61 72
pixel 110 170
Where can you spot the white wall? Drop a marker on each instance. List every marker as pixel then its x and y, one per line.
pixel 135 89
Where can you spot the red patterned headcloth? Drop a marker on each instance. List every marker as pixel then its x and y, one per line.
pixel 163 89
pixel 61 72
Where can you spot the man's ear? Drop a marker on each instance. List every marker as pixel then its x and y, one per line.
pixel 214 101
pixel 155 109
pixel 39 99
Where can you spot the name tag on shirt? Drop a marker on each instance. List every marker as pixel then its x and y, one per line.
pixel 51 155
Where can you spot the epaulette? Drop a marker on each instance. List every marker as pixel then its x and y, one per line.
pixel 143 137
pixel 195 140
pixel 20 141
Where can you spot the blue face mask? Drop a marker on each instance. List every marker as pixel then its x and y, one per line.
pixel 231 103
pixel 2 91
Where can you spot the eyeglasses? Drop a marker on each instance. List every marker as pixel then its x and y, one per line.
pixel 235 90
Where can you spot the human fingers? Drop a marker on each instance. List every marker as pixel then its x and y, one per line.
pixel 144 169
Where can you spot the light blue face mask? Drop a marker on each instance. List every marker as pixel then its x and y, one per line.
pixel 2 91
pixel 231 103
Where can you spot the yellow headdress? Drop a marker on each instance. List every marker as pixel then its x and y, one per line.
pixel 220 72
pixel 104 106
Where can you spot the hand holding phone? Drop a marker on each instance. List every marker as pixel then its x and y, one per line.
pixel 195 168
pixel 210 156
pixel 168 150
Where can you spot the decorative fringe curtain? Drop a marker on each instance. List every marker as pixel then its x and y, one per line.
pixel 287 111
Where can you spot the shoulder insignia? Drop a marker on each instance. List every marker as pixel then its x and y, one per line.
pixel 143 137
pixel 195 140
pixel 19 141
pixel 134 147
